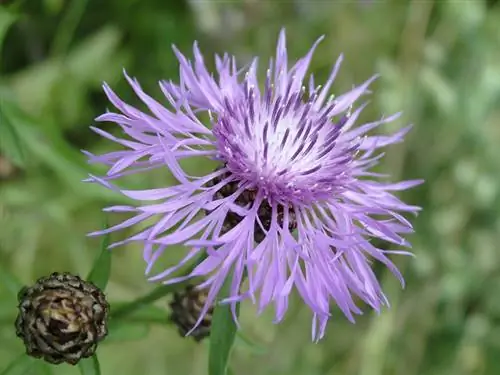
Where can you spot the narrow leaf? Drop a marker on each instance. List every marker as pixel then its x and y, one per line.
pixel 6 20
pixel 10 144
pixel 222 335
pixel 90 366
pixel 101 270
pixel 51 149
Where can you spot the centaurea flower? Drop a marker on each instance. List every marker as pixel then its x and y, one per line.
pixel 292 205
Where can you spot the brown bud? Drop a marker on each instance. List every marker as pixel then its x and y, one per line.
pixel 62 318
pixel 186 308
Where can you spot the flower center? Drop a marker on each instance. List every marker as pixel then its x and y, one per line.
pixel 247 197
pixel 284 146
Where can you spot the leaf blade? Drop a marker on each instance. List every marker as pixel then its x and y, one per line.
pixel 222 335
pixel 10 142
pixel 101 270
pixel 90 366
pixel 6 20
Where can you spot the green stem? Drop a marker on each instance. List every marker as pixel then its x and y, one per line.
pixel 157 293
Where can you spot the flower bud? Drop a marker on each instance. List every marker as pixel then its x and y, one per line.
pixel 186 308
pixel 61 318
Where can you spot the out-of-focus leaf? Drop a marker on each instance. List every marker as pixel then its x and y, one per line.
pixel 244 340
pixel 87 61
pixel 436 86
pixel 9 282
pixel 148 313
pixel 6 20
pixel 57 86
pixel 52 150
pixel 10 144
pixel 53 7
pixel 90 366
pixel 68 25
pixel 222 335
pixel 470 13
pixel 129 308
pixel 23 365
pixel 126 331
pixel 101 270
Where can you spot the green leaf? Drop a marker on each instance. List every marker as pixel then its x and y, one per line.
pixel 51 149
pixel 22 365
pixel 149 313
pixel 140 303
pixel 99 275
pixel 50 86
pixel 6 20
pixel 68 25
pixel 246 341
pixel 137 325
pixel 90 366
pixel 222 335
pixel 125 331
pixel 159 292
pixel 9 282
pixel 10 144
pixel 42 368
pixel 97 57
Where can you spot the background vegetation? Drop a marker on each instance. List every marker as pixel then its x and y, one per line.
pixel 440 64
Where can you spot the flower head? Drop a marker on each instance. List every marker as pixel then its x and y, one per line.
pixel 292 205
pixel 185 312
pixel 62 318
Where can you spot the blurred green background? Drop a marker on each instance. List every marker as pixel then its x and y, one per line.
pixel 440 64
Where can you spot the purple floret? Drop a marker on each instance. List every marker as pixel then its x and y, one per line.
pixel 296 152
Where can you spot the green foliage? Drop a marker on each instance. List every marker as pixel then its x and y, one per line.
pixel 222 334
pixel 90 366
pixel 439 64
pixel 101 270
pixel 19 366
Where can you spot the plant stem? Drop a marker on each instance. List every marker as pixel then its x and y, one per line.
pixel 157 293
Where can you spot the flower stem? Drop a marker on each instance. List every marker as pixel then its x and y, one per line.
pixel 157 293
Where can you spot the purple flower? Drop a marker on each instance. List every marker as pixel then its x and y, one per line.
pixel 294 203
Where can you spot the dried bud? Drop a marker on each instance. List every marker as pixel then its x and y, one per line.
pixel 186 308
pixel 61 318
